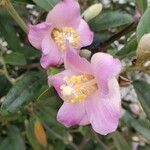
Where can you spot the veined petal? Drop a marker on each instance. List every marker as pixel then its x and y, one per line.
pixel 105 67
pixel 76 63
pixel 49 60
pixel 65 14
pixel 104 110
pixel 36 33
pixel 51 56
pixel 71 114
pixel 84 121
pixel 86 35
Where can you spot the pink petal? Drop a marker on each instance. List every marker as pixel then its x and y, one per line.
pixel 51 56
pixel 84 121
pixel 86 35
pixel 104 111
pixel 71 114
pixel 76 63
pixel 36 33
pixel 105 67
pixel 57 80
pixel 50 60
pixel 66 13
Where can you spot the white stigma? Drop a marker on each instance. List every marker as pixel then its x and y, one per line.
pixel 67 91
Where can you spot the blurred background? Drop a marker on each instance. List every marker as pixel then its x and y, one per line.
pixel 28 106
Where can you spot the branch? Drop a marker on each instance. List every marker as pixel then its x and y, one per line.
pixel 102 46
pixel 137 68
pixel 11 10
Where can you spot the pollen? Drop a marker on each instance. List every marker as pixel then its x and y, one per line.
pixel 78 88
pixel 67 33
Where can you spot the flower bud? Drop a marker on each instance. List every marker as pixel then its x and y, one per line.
pixel 92 11
pixel 143 50
pixel 85 53
pixel 40 133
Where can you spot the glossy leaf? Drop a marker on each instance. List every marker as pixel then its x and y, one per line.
pixel 144 24
pixel 13 141
pixel 47 5
pixel 22 92
pixel 120 141
pixel 109 20
pixel 142 89
pixel 15 58
pixel 5 85
pixel 142 5
pixel 129 49
pixel 141 126
pixel 9 33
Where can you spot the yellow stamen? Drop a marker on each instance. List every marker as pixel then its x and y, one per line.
pixel 77 88
pixel 67 33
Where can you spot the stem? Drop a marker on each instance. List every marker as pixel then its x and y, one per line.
pixel 99 141
pixel 11 10
pixel 4 71
pixel 102 46
pixel 137 68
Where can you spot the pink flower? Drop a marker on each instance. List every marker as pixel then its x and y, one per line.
pixel 62 23
pixel 90 92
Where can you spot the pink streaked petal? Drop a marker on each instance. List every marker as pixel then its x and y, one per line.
pixel 57 80
pixel 86 35
pixel 48 45
pixel 51 59
pixel 36 33
pixel 76 63
pixel 105 67
pixel 51 56
pixel 84 121
pixel 71 114
pixel 104 111
pixel 65 14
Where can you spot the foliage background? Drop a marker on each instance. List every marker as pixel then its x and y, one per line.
pixel 26 100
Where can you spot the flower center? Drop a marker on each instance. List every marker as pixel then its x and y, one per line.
pixel 77 88
pixel 67 33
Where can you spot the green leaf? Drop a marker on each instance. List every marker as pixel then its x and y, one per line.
pixel 120 141
pixel 141 126
pixel 144 25
pixel 142 89
pixel 13 141
pixel 47 106
pixel 47 5
pixel 22 92
pixel 142 5
pixel 15 58
pixel 29 52
pixel 5 85
pixel 110 20
pixel 129 49
pixel 8 32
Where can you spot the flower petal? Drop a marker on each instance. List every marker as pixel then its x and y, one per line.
pixel 57 80
pixel 71 114
pixel 76 63
pixel 104 67
pixel 104 111
pixel 36 33
pixel 51 56
pixel 86 35
pixel 66 13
